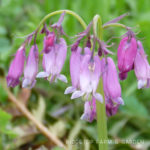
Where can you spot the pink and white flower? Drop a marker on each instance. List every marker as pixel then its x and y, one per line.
pixel 31 68
pixel 53 62
pixel 141 67
pixel 86 79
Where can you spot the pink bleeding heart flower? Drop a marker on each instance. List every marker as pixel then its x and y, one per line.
pixel 75 67
pixel 126 55
pixel 89 110
pixel 90 71
pixel 142 68
pixel 16 68
pixel 49 41
pixel 111 84
pixel 54 61
pixel 31 68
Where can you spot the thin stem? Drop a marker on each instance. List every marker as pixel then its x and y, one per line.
pixel 56 13
pixel 27 114
pixel 115 25
pixel 98 30
pixel 59 12
pixel 100 107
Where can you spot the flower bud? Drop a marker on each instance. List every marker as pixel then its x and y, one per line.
pixel 49 42
pixel 126 55
pixel 16 68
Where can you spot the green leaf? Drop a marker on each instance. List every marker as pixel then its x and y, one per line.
pixel 117 127
pixel 5 124
pixel 3 94
pixel 58 148
pixel 2 30
pixel 4 45
pixel 4 120
pixel 134 107
pixel 5 3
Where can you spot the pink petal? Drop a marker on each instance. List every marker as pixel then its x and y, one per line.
pixel 61 53
pixel 75 62
pixel 112 88
pixel 141 65
pixel 49 61
pixel 126 54
pixel 87 51
pixel 16 68
pixel 89 111
pixel 31 67
pixel 110 79
pixel 96 73
pixel 48 42
pixel 85 76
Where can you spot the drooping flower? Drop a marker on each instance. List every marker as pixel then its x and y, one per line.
pixel 126 55
pixel 16 67
pixel 89 110
pixel 90 71
pixel 31 68
pixel 54 61
pixel 141 67
pixel 111 84
pixel 49 41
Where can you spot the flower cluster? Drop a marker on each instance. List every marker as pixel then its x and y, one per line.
pixel 88 63
pixel 131 56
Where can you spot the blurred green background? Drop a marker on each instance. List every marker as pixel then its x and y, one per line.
pixel 47 102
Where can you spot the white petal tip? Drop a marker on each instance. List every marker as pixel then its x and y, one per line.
pixel 86 117
pixel 142 84
pixel 98 97
pixel 42 75
pixel 83 117
pixel 120 101
pixel 69 90
pixel 26 83
pixel 77 94
pixel 62 78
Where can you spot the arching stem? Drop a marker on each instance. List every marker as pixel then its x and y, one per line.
pixel 56 13
pixel 115 25
pixel 100 107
